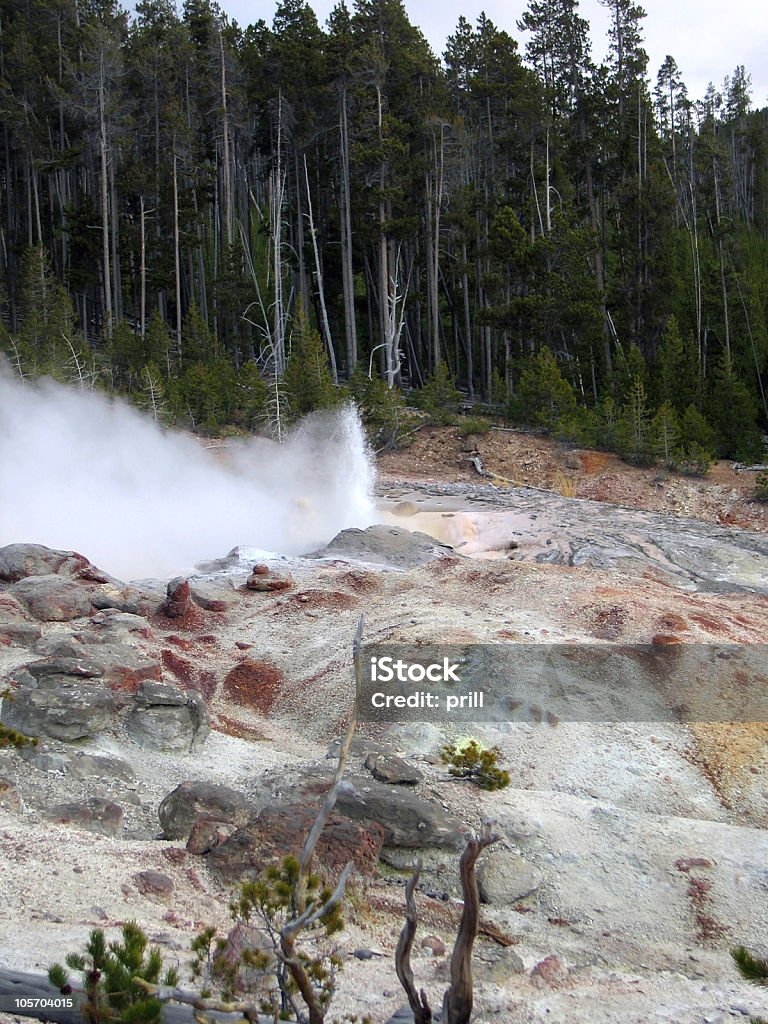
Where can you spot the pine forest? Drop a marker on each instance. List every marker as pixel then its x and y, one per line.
pixel 234 226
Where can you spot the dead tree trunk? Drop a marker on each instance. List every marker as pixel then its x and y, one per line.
pixel 457 1001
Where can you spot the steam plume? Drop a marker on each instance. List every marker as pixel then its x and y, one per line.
pixel 84 472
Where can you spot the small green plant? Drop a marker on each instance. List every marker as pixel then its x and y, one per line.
pixel 469 425
pixel 752 968
pixel 259 968
pixel 439 397
pixel 471 760
pixel 109 972
pixel 11 738
pixel 761 487
pixel 695 461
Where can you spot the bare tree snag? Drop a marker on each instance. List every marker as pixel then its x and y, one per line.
pixel 422 1014
pixel 457 1002
pixel 307 916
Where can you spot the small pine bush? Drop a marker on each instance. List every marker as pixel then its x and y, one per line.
pixel 268 903
pixel 439 397
pixel 469 425
pixel 752 968
pixel 761 487
pixel 111 994
pixel 11 738
pixel 475 762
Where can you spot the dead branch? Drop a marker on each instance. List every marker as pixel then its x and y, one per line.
pixel 305 916
pixel 457 1002
pixel 305 860
pixel 422 1014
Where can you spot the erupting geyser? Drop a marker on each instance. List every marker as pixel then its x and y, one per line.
pixel 85 472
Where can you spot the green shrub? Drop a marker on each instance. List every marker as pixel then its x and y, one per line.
pixel 385 415
pixel 473 425
pixel 439 397
pixel 10 738
pixel 307 379
pixel 761 487
pixel 268 903
pixel 111 993
pixel 545 396
pixel 475 762
pixel 694 461
pixel 752 968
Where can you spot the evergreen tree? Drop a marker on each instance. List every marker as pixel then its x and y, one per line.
pixel 307 379
pixel 544 395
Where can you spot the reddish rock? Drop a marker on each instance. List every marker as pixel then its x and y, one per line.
pixel 179 667
pixel 261 570
pixel 433 943
pixel 208 833
pixel 18 561
pixel 153 883
pixel 685 864
pixel 190 801
pixel 93 815
pixel 665 639
pixel 52 598
pixel 549 973
pixel 269 583
pixel 254 684
pixel 175 854
pixel 178 600
pixel 282 829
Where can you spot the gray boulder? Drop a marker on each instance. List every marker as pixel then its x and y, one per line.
pixel 393 770
pixel 504 878
pixel 16 624
pixel 408 820
pixel 179 810
pixel 165 718
pixel 90 766
pixel 52 598
pixel 282 828
pixel 119 665
pixel 93 815
pixel 60 707
pixel 386 545
pixel 213 597
pixel 119 597
pixel 18 561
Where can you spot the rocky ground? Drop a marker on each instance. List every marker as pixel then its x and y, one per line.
pixel 184 735
pixel 443 455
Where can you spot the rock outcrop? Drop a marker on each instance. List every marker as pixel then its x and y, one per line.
pixel 179 810
pixel 165 718
pixel 282 828
pixel 386 545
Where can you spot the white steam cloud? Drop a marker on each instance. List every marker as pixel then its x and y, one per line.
pixel 84 472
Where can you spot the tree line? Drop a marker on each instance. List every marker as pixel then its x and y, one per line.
pixel 188 206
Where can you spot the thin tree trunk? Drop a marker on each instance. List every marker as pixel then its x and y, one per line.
pixel 225 148
pixel 348 283
pixel 176 253
pixel 320 289
pixel 142 269
pixel 103 154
